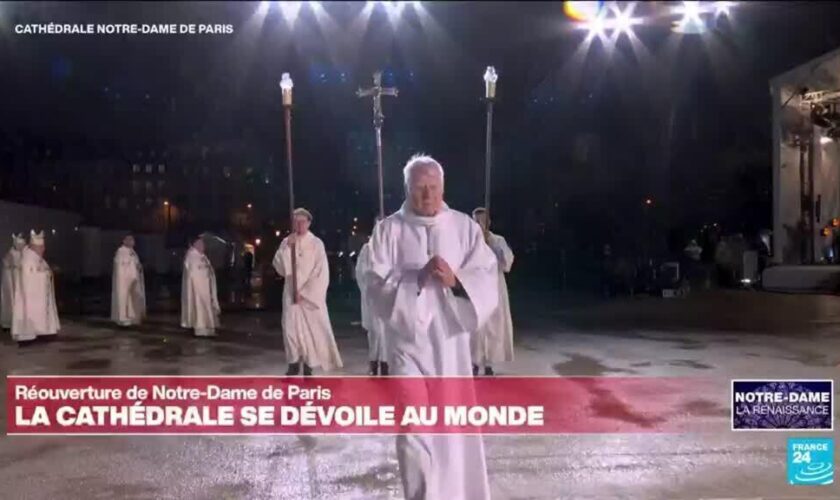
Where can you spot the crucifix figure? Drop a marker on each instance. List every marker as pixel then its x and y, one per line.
pixel 377 91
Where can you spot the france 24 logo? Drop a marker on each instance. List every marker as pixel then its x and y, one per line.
pixel 810 461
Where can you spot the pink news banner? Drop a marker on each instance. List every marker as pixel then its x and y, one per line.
pixel 351 405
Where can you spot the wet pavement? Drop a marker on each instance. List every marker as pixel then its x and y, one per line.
pixel 721 335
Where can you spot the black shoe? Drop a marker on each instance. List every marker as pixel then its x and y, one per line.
pixel 383 369
pixel 26 343
pixel 475 370
pixel 294 369
pixel 488 371
pixel 307 371
pixel 374 369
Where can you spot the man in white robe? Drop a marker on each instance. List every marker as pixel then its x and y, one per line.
pixel 371 322
pixel 11 276
pixel 494 342
pixel 199 300
pixel 307 333
pixel 433 280
pixel 128 289
pixel 35 313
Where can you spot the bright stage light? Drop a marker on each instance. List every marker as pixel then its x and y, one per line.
pixel 612 20
pixel 394 7
pixel 583 10
pixel 722 8
pixel 691 10
pixel 596 27
pixel 690 22
pixel 624 21
pixel 290 10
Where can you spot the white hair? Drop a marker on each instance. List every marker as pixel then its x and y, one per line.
pixel 420 161
pixel 303 212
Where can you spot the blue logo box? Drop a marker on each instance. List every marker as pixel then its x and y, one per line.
pixel 782 405
pixel 810 461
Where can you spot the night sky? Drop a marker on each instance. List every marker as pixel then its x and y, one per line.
pixel 582 137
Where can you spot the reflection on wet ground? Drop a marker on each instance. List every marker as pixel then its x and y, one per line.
pixel 773 337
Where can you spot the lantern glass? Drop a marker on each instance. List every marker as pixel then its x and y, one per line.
pixel 286 82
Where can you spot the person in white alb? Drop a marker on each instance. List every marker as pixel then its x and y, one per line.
pixel 434 281
pixel 35 313
pixel 128 289
pixel 307 333
pixel 494 343
pixel 371 322
pixel 11 276
pixel 199 300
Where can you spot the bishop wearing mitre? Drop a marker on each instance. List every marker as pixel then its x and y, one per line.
pixel 128 289
pixel 34 314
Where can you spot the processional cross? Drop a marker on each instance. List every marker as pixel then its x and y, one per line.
pixel 377 91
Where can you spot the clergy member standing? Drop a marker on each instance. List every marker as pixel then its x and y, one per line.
pixel 199 301
pixel 494 342
pixel 128 289
pixel 433 280
pixel 307 333
pixel 35 314
pixel 11 276
pixel 371 322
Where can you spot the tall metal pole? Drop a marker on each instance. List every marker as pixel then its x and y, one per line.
pixel 488 153
pixel 168 207
pixel 803 202
pixel 286 84
pixel 490 79
pixel 288 116
pixel 376 92
pixel 812 201
pixel 379 171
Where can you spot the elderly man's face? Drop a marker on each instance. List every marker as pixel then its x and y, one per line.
pixel 302 224
pixel 39 249
pixel 199 245
pixel 425 191
pixel 129 241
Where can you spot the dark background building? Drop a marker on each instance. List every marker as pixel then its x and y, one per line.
pixel 639 144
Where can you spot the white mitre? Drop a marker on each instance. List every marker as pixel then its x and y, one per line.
pixel 36 239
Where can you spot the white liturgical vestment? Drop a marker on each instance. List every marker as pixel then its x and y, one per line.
pixel 307 332
pixel 371 322
pixel 429 332
pixel 11 276
pixel 199 300
pixel 35 313
pixel 494 342
pixel 128 289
